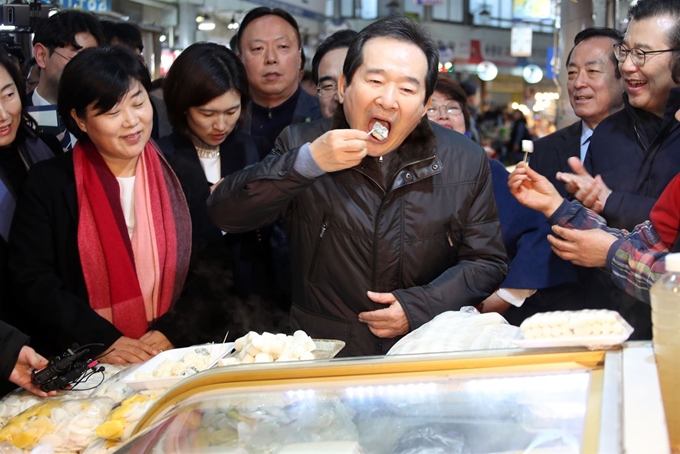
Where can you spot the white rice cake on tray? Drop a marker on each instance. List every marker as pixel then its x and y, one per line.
pixel 379 131
pixel 570 324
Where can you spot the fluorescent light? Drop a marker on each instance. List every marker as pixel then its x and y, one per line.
pixel 206 25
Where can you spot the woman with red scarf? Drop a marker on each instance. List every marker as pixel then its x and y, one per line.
pixel 101 236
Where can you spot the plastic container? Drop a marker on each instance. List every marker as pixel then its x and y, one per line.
pixel 665 297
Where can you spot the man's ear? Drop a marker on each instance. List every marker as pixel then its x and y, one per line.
pixel 342 86
pixel 428 104
pixel 41 54
pixel 81 124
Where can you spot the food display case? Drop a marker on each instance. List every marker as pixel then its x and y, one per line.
pixel 502 401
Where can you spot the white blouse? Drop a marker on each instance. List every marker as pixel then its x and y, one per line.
pixel 127 201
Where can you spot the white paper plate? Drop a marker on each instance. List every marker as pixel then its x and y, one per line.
pixel 591 342
pixel 217 351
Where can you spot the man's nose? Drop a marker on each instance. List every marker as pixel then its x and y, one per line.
pixel 387 98
pixel 580 79
pixel 270 56
pixel 627 64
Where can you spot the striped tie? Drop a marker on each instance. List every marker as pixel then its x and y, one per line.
pixel 65 140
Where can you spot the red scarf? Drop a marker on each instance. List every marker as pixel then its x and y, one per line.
pixel 106 252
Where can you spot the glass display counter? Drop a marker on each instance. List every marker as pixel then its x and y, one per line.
pixel 482 402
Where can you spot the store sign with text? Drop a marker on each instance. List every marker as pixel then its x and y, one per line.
pixel 87 5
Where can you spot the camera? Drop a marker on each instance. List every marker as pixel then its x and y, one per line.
pixel 65 370
pixel 23 16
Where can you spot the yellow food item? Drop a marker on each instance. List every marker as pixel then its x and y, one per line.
pixel 111 430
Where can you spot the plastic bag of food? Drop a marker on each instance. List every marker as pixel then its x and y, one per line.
pixel 101 446
pixel 65 425
pixel 121 421
pixel 452 331
pixel 114 387
pixel 8 448
pixel 16 402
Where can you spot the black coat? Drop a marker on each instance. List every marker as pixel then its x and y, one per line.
pixel 552 152
pixel 231 279
pixel 44 264
pixel 11 342
pixel 432 238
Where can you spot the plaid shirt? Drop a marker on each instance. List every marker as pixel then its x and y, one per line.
pixel 635 260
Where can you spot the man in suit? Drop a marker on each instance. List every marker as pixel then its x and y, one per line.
pixel 57 40
pixel 594 87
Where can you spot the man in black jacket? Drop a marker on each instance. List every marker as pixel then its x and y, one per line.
pixel 387 229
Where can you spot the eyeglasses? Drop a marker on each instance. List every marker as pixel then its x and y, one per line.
pixel 63 56
pixel 327 89
pixel 637 56
pixel 450 110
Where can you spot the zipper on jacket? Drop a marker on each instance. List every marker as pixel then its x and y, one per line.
pixel 324 226
pixel 371 179
pixel 448 238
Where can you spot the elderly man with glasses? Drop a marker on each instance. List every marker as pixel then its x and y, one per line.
pixel 633 153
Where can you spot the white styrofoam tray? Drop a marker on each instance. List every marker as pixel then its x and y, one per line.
pixel 217 351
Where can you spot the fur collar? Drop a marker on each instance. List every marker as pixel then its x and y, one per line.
pixel 420 144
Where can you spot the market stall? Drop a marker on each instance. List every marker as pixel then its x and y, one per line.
pixel 568 400
pixel 513 400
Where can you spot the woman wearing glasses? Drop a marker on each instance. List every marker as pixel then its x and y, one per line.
pixel 533 266
pixel 205 91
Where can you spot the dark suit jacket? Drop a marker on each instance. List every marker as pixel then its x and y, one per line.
pixel 552 152
pixel 44 264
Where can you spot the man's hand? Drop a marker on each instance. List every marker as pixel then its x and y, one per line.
pixel 591 192
pixel 495 303
pixel 127 350
pixel 22 374
pixel 214 186
pixel 389 322
pixel 339 149
pixel 157 340
pixel 533 190
pixel 582 247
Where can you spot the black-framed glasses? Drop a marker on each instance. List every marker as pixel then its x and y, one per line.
pixel 327 89
pixel 62 56
pixel 637 56
pixel 450 110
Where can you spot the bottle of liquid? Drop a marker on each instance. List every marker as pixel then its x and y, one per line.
pixel 665 297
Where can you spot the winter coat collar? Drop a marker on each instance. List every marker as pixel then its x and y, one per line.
pixel 417 151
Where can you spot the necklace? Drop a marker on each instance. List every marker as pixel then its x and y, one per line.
pixel 208 153
pixel 204 150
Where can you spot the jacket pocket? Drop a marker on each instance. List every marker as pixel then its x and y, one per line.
pixel 317 245
pixel 454 235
